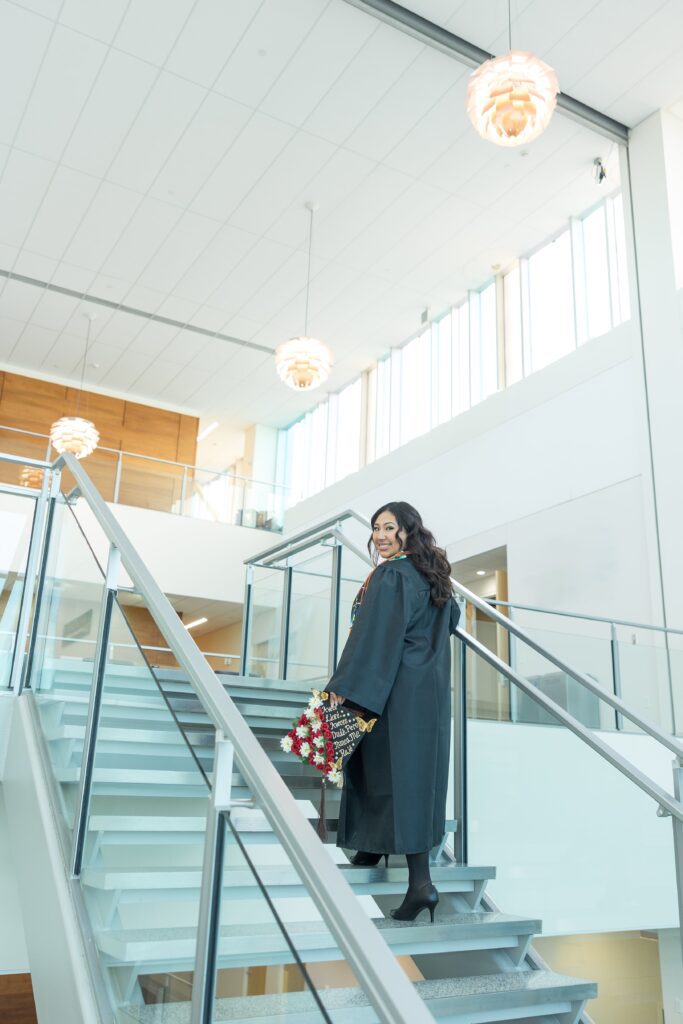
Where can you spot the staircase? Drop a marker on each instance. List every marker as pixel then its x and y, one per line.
pixel 142 873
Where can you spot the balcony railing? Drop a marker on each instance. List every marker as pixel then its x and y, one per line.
pixel 143 481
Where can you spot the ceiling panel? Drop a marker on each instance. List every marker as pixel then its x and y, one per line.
pixel 116 98
pixel 141 238
pixel 100 21
pixel 23 40
pixel 209 36
pixel 163 118
pixel 252 152
pixel 179 251
pixel 93 238
pixel 367 77
pixel 300 160
pixel 65 203
pixel 323 55
pixel 220 257
pixel 265 48
pixel 24 181
pixel 420 86
pixel 165 195
pixel 207 138
pixel 150 28
pixel 60 91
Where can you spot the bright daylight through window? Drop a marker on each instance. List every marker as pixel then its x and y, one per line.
pixel 571 289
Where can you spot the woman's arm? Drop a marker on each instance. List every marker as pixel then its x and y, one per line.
pixel 372 655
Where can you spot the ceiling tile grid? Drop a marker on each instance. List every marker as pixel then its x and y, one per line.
pixel 159 154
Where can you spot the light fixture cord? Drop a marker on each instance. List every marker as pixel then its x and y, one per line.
pixel 509 25
pixel 308 276
pixel 85 357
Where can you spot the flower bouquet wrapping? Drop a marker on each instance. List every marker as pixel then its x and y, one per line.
pixel 326 737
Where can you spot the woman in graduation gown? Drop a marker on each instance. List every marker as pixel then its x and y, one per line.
pixel 397 665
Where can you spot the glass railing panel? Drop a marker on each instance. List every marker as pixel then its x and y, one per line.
pixel 308 649
pixel 577 833
pixel 19 442
pixel 353 572
pixel 266 621
pixel 142 866
pixel 217 497
pixel 101 467
pixel 643 667
pixel 590 655
pixel 276 955
pixel 17 519
pixel 676 693
pixel 147 483
pixel 64 645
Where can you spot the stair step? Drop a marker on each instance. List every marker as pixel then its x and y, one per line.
pixel 472 1000
pixel 260 944
pixel 281 880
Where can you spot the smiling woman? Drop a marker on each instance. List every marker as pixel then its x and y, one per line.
pixel 396 664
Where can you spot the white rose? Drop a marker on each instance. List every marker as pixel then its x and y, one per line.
pixel 286 743
pixel 305 749
pixel 318 741
pixel 302 731
pixel 319 759
pixel 335 777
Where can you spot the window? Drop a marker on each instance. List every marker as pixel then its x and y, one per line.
pixel 572 288
pixel 551 302
pixel 483 343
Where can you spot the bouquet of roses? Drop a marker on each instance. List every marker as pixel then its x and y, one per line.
pixel 325 737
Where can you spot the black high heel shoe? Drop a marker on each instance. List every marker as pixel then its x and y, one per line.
pixel 425 897
pixel 369 860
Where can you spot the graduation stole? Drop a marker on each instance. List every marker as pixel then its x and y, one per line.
pixel 358 599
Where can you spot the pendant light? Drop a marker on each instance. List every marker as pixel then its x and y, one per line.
pixel 75 434
pixel 510 99
pixel 304 363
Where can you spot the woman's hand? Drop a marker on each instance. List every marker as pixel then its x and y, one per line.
pixel 335 699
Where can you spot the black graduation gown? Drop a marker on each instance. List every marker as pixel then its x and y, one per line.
pixel 397 664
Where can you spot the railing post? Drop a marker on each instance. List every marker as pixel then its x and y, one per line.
pixel 204 983
pixel 183 491
pixel 335 595
pixel 512 657
pixel 247 620
pixel 616 673
pixel 94 706
pixel 678 844
pixel 17 673
pixel 460 756
pixel 284 622
pixel 42 573
pixel 117 478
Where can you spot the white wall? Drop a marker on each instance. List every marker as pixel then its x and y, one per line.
pixel 555 468
pixel 575 842
pixel 13 952
pixel 187 556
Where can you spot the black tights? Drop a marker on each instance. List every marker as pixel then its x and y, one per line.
pixel 418 870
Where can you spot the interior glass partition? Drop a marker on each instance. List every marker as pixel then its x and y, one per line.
pixel 18 513
pixel 582 842
pixel 265 627
pixel 308 648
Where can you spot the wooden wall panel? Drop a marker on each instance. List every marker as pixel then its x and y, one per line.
pixel 30 404
pixel 16 999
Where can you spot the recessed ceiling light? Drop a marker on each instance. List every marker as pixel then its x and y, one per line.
pixel 197 622
pixel 203 434
pixel 481 572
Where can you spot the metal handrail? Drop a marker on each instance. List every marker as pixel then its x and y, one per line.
pixel 589 736
pixel 586 618
pixel 314 533
pixel 134 455
pixel 617 703
pixel 378 972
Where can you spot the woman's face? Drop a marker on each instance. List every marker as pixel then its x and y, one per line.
pixel 386 535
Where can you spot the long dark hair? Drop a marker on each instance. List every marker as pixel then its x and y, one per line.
pixel 420 544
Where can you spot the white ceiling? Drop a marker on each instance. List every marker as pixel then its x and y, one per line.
pixel 158 153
